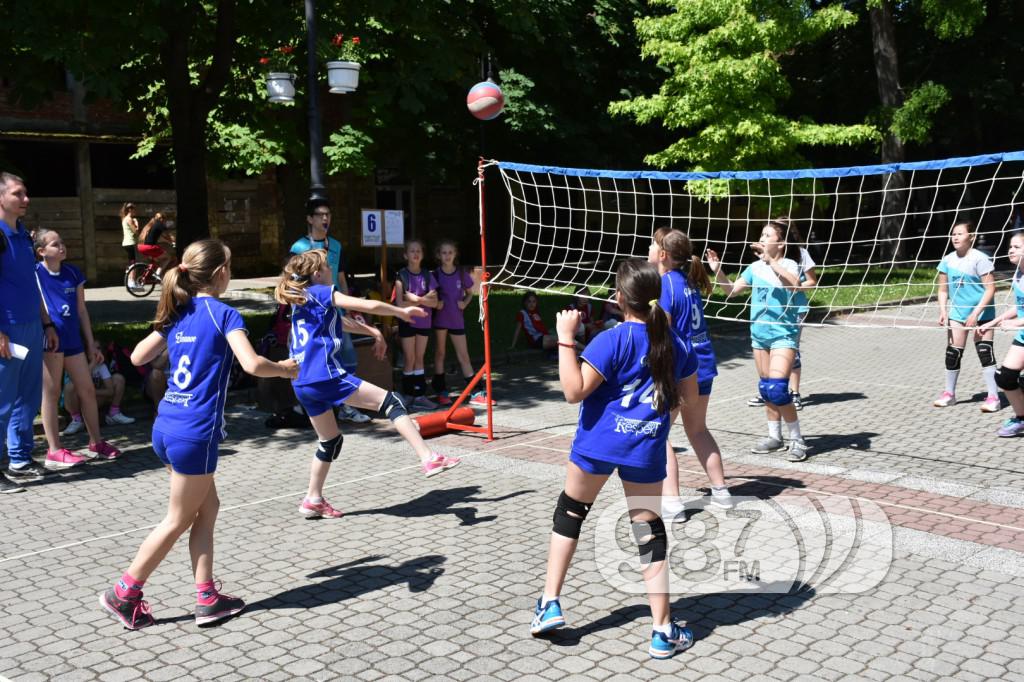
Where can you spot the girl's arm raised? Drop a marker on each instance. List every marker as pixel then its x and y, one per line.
pixel 730 287
pixel 148 349
pixel 257 365
pixel 578 381
pixel 365 305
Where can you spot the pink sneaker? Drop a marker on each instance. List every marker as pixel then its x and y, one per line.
pixel 991 404
pixel 434 465
pixel 62 459
pixel 945 400
pixel 104 450
pixel 317 510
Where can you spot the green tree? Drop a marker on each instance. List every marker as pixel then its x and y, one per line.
pixel 725 82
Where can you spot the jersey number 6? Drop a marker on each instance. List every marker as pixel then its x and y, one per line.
pixel 182 377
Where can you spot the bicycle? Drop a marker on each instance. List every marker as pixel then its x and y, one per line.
pixel 145 277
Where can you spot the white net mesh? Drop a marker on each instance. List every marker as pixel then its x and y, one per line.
pixel 876 233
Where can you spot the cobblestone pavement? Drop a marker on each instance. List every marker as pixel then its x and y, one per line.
pixel 437 578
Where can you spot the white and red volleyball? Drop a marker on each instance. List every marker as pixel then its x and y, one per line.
pixel 485 100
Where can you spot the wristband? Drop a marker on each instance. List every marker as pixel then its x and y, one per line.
pixel 567 345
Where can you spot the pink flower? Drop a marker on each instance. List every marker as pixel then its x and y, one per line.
pixel 264 60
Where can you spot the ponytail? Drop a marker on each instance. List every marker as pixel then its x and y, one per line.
pixel 640 285
pixel 199 266
pixel 698 276
pixel 298 275
pixel 679 248
pixel 661 360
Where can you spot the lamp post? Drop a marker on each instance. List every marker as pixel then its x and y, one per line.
pixel 317 191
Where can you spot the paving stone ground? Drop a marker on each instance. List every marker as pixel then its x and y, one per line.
pixel 436 578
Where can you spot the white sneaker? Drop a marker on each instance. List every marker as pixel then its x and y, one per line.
pixel 722 497
pixel 672 510
pixel 74 427
pixel 991 404
pixel 119 418
pixel 351 414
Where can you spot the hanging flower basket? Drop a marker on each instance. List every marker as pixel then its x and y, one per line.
pixel 280 86
pixel 343 76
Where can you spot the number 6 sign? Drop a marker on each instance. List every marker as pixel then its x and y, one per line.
pixel 372 232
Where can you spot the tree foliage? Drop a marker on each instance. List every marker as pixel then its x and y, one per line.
pixel 725 82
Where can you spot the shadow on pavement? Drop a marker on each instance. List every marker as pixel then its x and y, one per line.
pixel 704 612
pixel 437 502
pixel 356 578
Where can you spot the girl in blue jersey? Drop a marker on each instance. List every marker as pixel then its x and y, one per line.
pixel 966 291
pixel 683 281
pixel 318 319
pixel 1009 376
pixel 201 335
pixel 631 379
pixel 774 329
pixel 63 289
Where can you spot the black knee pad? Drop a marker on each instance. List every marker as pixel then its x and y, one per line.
pixel 651 540
pixel 1009 379
pixel 569 516
pixel 330 449
pixel 953 357
pixel 986 353
pixel 392 407
pixel 438 384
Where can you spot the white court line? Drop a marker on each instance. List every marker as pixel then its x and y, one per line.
pixel 55 548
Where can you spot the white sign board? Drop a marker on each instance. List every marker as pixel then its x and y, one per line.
pixel 394 227
pixel 372 229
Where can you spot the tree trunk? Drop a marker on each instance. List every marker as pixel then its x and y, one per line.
pixel 894 201
pixel 188 108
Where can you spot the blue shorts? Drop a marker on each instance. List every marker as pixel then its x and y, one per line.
pixel 321 396
pixel 788 341
pixel 704 387
pixel 626 473
pixel 189 457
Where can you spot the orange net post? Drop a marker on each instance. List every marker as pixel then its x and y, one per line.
pixel 485 371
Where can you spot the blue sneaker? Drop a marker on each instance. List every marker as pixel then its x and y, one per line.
pixel 548 618
pixel 663 646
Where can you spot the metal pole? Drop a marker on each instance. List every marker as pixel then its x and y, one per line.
pixel 317 191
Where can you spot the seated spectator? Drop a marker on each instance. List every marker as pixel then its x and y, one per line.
pixel 589 327
pixel 529 322
pixel 109 390
pixel 611 314
pixel 154 384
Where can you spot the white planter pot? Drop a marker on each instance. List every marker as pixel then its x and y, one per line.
pixel 343 76
pixel 280 87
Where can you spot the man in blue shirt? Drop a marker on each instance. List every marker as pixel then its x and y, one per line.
pixel 318 219
pixel 23 324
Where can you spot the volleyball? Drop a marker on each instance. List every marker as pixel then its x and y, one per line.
pixel 485 100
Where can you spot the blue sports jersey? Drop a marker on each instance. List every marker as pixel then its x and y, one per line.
pixel 773 313
pixel 19 303
pixel 686 307
pixel 60 294
pixel 198 371
pixel 316 340
pixel 1018 296
pixel 618 422
pixel 963 280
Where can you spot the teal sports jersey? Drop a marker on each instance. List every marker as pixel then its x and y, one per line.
pixel 198 371
pixel 316 337
pixel 618 422
pixel 963 277
pixel 774 314
pixel 686 307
